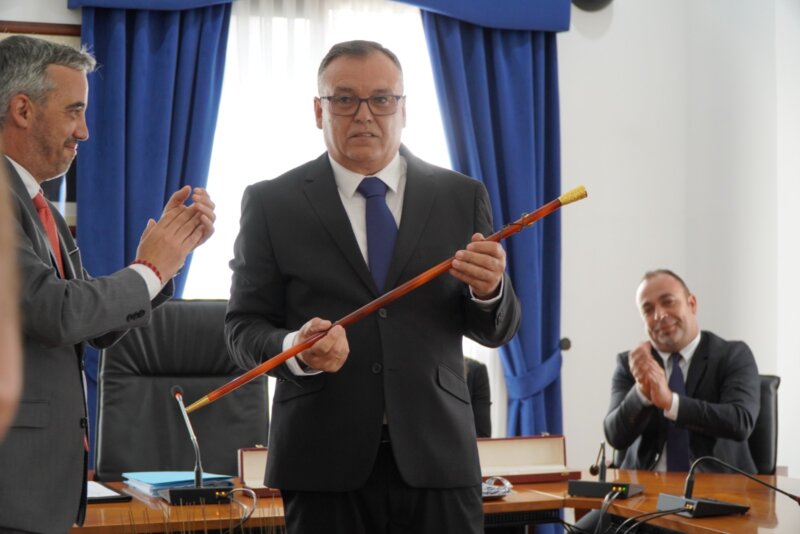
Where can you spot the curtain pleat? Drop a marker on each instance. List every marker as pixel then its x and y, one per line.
pixel 152 113
pixel 498 91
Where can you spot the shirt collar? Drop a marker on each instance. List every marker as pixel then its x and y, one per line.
pixel 687 352
pixel 28 180
pixel 347 181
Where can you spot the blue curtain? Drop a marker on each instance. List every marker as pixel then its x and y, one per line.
pixel 152 113
pixel 498 91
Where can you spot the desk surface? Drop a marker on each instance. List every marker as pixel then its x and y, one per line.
pixel 769 511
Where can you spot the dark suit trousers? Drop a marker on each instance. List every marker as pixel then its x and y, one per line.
pixel 385 505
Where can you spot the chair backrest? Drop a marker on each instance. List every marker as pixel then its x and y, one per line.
pixel 139 424
pixel 763 441
pixel 477 376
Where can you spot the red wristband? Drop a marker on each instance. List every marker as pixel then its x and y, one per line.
pixel 149 266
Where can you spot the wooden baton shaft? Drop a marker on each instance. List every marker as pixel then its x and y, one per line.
pixel 573 195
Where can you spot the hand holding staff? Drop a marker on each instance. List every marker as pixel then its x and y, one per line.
pixel 573 195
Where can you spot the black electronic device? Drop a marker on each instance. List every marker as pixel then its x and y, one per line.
pixel 595 488
pixel 209 493
pixel 600 488
pixel 693 507
pixel 698 507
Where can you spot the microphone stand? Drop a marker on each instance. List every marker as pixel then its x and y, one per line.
pixel 692 507
pixel 599 487
pixel 215 492
pixel 177 392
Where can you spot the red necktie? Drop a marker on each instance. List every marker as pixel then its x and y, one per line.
pixel 49 227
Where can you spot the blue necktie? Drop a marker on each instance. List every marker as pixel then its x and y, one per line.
pixel 677 438
pixel 381 229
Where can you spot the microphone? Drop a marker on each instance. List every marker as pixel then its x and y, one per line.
pixel 215 492
pixel 599 466
pixel 177 392
pixel 601 488
pixel 709 507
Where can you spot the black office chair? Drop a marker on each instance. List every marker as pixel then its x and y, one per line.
pixel 763 441
pixel 477 376
pixel 140 427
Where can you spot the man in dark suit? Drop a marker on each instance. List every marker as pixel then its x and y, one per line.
pixel 371 429
pixel 718 407
pixel 43 98
pixel 681 395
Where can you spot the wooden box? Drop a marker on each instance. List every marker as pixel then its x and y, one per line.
pixel 252 466
pixel 525 459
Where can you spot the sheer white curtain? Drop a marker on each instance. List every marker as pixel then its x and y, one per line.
pixel 266 121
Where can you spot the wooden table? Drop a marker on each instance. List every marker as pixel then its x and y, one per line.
pixel 535 503
pixel 769 511
pixel 528 503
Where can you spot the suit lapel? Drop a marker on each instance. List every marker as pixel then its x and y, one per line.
pixel 321 192
pixel 698 366
pixel 41 243
pixel 418 201
pixel 67 243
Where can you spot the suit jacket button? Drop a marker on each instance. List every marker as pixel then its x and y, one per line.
pixel 376 368
pixel 382 313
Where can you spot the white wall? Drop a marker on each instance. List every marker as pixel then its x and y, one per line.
pixel 623 106
pixel 53 11
pixel 681 119
pixel 787 15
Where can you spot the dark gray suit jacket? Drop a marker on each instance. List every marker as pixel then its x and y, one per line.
pixel 296 257
pixel 42 460
pixel 719 410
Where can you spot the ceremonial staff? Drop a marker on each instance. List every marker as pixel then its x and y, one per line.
pixel 526 220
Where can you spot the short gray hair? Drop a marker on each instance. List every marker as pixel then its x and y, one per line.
pixel 23 68
pixel 355 49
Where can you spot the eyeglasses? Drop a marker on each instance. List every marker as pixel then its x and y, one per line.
pixel 378 105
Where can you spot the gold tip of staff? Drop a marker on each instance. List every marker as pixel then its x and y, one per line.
pixel 573 195
pixel 199 403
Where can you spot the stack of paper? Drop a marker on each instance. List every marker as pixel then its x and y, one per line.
pixel 150 482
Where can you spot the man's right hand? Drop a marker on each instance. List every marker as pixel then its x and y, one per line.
pixel 166 243
pixel 650 377
pixel 639 361
pixel 330 352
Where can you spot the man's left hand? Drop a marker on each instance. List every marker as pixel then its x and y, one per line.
pixel 481 266
pixel 659 392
